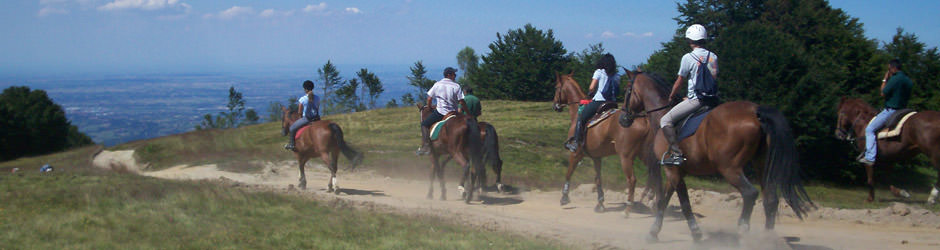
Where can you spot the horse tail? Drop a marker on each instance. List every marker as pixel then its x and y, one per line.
pixel 349 152
pixel 782 169
pixel 490 145
pixel 475 144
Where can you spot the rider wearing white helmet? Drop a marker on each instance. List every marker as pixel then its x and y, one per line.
pixel 688 69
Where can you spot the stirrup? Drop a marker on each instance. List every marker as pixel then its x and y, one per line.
pixel 671 159
pixel 290 147
pixel 423 150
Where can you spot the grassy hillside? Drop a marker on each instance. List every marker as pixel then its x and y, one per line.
pixel 85 210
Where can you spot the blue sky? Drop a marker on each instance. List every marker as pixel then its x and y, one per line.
pixel 173 36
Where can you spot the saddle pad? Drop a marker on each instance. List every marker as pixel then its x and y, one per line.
pixel 691 124
pixel 896 130
pixel 599 118
pixel 436 128
pixel 301 131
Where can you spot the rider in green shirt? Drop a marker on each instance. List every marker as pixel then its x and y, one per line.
pixel 473 103
pixel 896 88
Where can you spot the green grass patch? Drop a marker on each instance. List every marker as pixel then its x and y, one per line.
pixel 113 211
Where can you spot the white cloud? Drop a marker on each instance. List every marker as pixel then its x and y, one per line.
pixel 634 35
pixel 274 13
pixel 232 12
pixel 142 5
pixel 353 10
pixel 608 34
pixel 315 8
pixel 51 11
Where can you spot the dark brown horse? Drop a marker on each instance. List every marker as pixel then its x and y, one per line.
pixel 919 135
pixel 490 156
pixel 604 139
pixel 731 136
pixel 459 138
pixel 323 139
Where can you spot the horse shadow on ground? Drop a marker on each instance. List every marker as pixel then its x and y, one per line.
pixel 672 212
pixel 350 191
pixel 499 201
pixel 725 239
pixel 507 189
pixel 790 241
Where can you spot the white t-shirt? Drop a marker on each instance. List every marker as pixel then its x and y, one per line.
pixel 447 94
pixel 601 76
pixel 688 68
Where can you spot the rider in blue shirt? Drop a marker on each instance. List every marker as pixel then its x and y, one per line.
pixel 309 105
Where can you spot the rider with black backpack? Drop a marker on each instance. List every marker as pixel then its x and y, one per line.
pixel 605 86
pixel 703 89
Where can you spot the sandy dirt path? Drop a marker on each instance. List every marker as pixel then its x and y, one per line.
pixel 539 214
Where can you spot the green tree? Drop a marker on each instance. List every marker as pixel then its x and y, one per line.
pixel 407 99
pixel 232 117
pixel 329 81
pixel 371 83
pixel 419 80
pixel 275 114
pixel 797 56
pixel 521 65
pixel 251 117
pixel 391 104
pixel 32 124
pixel 345 98
pixel 469 63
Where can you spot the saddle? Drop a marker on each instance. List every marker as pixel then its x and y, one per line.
pixel 603 112
pixel 690 124
pixel 436 128
pixel 894 124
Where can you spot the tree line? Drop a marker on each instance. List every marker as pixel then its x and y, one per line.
pixel 798 56
pixel 32 124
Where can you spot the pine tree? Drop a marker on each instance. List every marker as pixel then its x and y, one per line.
pixel 329 81
pixel 521 65
pixel 420 81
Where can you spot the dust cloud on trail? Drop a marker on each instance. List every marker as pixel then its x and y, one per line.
pixel 538 214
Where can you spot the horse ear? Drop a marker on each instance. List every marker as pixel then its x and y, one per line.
pixel 571 74
pixel 630 74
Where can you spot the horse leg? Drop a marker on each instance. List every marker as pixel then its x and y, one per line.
pixel 683 193
pixel 626 164
pixel 672 178
pixel 331 160
pixel 935 191
pixel 498 169
pixel 461 160
pixel 597 184
pixel 870 171
pixel 748 195
pixel 303 177
pixel 573 160
pixel 434 170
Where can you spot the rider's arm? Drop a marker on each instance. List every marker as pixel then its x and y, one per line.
pixel 675 87
pixel 427 103
pixel 593 86
pixel 462 107
pixel 887 85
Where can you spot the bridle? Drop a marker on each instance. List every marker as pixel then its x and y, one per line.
pixel 626 119
pixel 559 93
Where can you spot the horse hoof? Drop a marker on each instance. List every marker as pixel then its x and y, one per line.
pixel 599 208
pixel 565 200
pixel 742 229
pixel 499 188
pixel 697 236
pixel 336 190
pixel 652 238
pixel 626 212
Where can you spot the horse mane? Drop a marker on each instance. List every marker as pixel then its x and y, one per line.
pixel 577 86
pixel 661 85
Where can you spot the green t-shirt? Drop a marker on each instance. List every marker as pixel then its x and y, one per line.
pixel 473 105
pixel 897 91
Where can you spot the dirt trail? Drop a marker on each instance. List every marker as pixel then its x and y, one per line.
pixel 538 213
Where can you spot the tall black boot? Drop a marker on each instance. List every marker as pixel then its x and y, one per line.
pixel 425 142
pixel 575 142
pixel 674 156
pixel 291 142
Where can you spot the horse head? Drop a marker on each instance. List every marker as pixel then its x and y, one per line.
pixel 567 91
pixel 853 114
pixel 288 117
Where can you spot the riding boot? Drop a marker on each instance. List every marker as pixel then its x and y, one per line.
pixel 290 145
pixel 575 142
pixel 425 142
pixel 674 157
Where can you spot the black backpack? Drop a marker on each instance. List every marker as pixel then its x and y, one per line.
pixel 612 88
pixel 706 86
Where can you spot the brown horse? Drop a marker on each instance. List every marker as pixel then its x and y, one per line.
pixel 731 136
pixel 490 156
pixel 459 138
pixel 604 139
pixel 919 135
pixel 323 139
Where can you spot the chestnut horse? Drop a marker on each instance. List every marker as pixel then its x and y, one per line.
pixel 323 139
pixel 604 139
pixel 459 138
pixel 731 136
pixel 919 135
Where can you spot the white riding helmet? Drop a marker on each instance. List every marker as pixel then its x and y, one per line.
pixel 695 32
